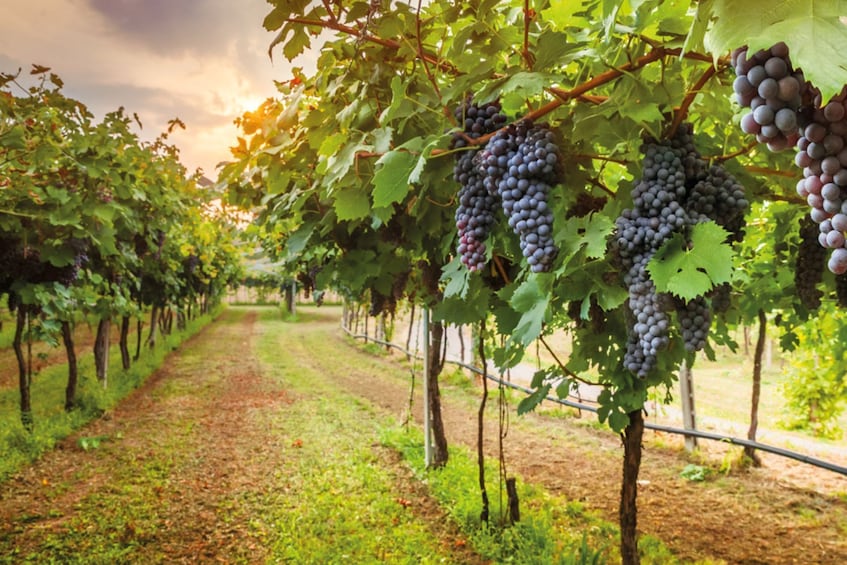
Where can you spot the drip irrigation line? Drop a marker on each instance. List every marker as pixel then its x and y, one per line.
pixel 841 470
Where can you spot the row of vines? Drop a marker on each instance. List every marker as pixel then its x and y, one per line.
pixel 97 226
pixel 546 165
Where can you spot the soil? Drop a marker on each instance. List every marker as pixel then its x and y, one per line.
pixel 747 516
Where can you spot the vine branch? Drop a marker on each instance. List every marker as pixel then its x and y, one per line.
pixel 562 366
pixel 682 111
pixel 422 55
pixel 729 156
pixel 365 36
pixel 527 18
pixel 771 172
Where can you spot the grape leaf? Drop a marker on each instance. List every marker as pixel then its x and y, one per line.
pixel 523 84
pixel 391 181
pixel 811 29
pixel 298 239
pixel 529 403
pixel 532 301
pixel 351 204
pixel 456 276
pixel 690 270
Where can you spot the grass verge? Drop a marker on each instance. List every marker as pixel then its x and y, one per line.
pixel 335 499
pixel 19 447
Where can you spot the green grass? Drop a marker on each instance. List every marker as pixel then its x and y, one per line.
pixel 19 447
pixel 551 529
pixel 335 501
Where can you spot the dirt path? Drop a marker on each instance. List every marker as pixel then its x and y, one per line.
pixel 746 517
pixel 183 471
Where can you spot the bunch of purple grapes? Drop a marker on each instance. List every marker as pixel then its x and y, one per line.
pixel 768 85
pixel 676 191
pixel 823 157
pixel 788 111
pixel 520 164
pixel 475 213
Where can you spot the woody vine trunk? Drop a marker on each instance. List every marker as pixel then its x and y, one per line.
pixel 629 489
pixel 73 373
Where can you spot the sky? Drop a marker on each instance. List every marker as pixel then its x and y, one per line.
pixel 203 61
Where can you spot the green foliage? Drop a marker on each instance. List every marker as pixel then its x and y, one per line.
pixel 543 535
pixel 692 472
pixel 373 199
pixel 816 390
pixel 692 268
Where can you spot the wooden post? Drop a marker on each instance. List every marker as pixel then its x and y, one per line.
pixel 686 388
pixel 427 423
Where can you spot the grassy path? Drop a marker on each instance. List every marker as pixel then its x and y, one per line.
pixel 261 441
pixel 224 457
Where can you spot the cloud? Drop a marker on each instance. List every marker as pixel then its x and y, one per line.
pixel 177 26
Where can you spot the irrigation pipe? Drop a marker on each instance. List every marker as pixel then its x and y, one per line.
pixel 657 427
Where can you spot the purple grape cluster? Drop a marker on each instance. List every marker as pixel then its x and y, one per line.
pixel 695 319
pixel 676 191
pixel 19 262
pixel 767 84
pixel 823 156
pixel 808 270
pixel 520 164
pixel 788 111
pixel 475 213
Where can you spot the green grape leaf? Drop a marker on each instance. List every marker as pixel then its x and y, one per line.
pixel 690 270
pixel 351 204
pixel 618 420
pixel 529 403
pixel 532 301
pixel 391 181
pixel 594 231
pixel 456 276
pixel 299 238
pixel 13 138
pixel 522 84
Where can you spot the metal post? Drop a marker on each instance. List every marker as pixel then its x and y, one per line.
pixel 427 423
pixel 686 389
pixel 293 298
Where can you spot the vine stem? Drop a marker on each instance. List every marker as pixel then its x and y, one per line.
pixel 328 8
pixel 422 55
pixel 563 96
pixel 500 269
pixel 596 182
pixel 729 156
pixel 766 171
pixel 600 158
pixel 562 366
pixel 18 214
pixel 690 96
pixel 789 199
pixel 390 43
pixel 527 18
